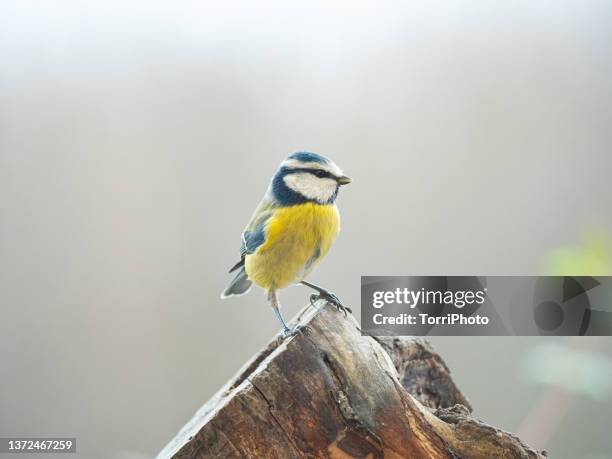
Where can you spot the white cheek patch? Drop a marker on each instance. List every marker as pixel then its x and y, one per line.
pixel 311 187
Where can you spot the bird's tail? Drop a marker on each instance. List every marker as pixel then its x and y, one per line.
pixel 239 285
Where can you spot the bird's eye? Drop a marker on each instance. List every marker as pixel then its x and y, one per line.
pixel 320 173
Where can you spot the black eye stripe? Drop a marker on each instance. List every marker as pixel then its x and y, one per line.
pixel 317 172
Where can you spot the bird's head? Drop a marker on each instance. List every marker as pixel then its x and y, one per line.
pixel 307 177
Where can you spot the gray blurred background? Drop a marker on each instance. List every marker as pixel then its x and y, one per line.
pixel 137 137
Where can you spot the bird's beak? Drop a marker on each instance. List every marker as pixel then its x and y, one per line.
pixel 344 180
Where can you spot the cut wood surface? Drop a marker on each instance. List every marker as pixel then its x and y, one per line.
pixel 331 392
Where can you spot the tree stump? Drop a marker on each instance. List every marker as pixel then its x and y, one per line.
pixel 331 392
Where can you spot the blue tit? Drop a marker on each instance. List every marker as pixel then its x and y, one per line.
pixel 291 230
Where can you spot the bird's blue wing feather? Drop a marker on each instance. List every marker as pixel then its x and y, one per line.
pixel 251 240
pixel 254 234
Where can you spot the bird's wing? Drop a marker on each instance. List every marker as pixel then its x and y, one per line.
pixel 254 234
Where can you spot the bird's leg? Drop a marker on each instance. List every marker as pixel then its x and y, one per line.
pixel 327 296
pixel 273 299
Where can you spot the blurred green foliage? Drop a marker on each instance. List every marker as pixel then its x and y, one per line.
pixel 557 363
pixel 581 372
pixel 592 257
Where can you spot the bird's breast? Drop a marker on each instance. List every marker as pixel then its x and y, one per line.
pixel 297 237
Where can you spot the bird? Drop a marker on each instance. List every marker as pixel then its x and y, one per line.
pixel 290 231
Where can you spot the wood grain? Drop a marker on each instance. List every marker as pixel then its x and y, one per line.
pixel 331 392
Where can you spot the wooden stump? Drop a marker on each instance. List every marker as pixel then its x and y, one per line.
pixel 330 392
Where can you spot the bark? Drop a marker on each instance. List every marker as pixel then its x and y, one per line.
pixel 331 392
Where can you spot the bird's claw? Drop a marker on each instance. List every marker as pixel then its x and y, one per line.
pixel 288 332
pixel 331 299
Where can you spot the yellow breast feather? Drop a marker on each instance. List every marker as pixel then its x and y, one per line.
pixel 297 237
